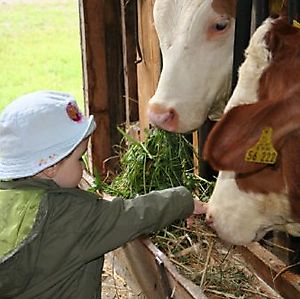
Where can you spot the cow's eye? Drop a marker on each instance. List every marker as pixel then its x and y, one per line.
pixel 222 24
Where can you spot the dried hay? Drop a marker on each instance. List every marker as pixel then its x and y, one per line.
pixel 201 257
pixel 166 160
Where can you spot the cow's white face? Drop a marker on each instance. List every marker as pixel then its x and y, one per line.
pixel 240 217
pixel 197 46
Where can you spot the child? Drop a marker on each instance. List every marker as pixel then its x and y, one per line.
pixel 53 236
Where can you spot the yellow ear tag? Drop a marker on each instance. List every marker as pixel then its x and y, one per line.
pixel 263 151
pixel 296 24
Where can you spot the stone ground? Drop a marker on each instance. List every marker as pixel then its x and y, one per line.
pixel 114 286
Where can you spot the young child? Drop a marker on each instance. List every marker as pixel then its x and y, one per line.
pixel 53 236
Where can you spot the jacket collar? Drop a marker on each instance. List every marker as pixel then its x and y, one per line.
pixel 28 183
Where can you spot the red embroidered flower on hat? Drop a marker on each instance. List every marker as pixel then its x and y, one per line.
pixel 73 112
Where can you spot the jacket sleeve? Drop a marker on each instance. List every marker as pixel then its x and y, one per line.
pixel 98 226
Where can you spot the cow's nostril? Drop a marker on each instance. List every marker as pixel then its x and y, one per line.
pixel 172 113
pixel 209 220
pixel 162 117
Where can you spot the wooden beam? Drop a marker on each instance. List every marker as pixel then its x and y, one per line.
pixel 101 37
pixel 149 56
pixel 129 32
pixel 272 270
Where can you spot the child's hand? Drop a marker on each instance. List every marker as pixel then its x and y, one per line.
pixel 199 208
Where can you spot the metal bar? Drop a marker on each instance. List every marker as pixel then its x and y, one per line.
pixel 164 278
pixel 261 11
pixel 293 10
pixel 205 171
pixel 242 35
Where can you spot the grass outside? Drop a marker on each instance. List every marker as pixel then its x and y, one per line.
pixel 39 48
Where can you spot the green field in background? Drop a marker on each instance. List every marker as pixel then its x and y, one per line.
pixel 39 48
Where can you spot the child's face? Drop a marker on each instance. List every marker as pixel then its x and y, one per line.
pixel 69 171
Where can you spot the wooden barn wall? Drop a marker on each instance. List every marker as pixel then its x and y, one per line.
pixel 149 65
pixel 101 39
pixel 121 67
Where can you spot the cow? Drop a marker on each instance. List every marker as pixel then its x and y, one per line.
pixel 256 144
pixel 196 40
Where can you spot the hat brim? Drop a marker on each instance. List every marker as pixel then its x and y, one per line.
pixel 90 128
pixel 26 167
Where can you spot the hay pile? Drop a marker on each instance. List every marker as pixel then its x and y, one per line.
pixel 166 160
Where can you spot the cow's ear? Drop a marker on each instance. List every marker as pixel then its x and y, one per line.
pixel 241 128
pixel 231 137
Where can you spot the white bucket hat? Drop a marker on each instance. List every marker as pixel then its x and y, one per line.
pixel 39 129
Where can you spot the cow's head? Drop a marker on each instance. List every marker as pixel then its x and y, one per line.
pixel 196 40
pixel 252 196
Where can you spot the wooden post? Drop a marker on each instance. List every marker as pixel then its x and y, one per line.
pixel 101 38
pixel 149 66
pixel 129 37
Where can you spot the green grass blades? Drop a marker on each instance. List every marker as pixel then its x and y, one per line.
pixel 163 160
pixel 39 48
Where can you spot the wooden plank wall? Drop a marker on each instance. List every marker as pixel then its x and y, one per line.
pixel 121 67
pixel 101 38
pixel 149 65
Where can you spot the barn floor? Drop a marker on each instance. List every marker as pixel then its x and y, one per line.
pixel 114 286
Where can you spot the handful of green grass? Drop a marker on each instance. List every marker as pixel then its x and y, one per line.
pixel 163 160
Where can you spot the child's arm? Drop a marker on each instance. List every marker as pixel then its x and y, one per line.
pixel 96 226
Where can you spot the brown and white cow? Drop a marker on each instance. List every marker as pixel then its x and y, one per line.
pixel 196 41
pixel 252 198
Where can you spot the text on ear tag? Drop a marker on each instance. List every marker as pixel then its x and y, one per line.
pixel 263 151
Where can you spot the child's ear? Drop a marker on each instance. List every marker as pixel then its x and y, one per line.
pixel 51 171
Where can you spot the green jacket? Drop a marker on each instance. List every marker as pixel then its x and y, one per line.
pixel 53 240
